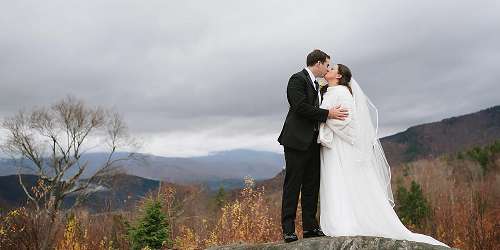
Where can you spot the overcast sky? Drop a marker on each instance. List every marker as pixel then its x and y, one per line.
pixel 192 77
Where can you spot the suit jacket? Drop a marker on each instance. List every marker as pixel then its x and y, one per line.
pixel 304 113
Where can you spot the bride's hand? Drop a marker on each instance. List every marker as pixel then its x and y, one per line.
pixel 338 113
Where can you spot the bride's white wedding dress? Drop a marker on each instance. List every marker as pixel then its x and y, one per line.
pixel 355 194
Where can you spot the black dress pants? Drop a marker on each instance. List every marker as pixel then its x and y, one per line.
pixel 302 176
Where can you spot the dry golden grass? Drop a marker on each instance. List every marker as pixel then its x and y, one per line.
pixel 247 219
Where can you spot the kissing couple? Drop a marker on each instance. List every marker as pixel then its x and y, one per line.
pixel 332 153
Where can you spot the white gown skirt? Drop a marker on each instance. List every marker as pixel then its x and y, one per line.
pixel 352 201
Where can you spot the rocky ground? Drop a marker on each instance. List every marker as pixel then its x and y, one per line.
pixel 351 243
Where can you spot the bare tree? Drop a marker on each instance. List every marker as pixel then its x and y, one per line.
pixel 51 142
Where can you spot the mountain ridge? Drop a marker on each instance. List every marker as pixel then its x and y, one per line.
pixel 450 135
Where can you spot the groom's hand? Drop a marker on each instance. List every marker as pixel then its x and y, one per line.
pixel 338 113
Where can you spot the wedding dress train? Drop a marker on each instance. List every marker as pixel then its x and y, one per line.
pixel 355 195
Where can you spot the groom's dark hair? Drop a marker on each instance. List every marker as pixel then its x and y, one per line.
pixel 315 56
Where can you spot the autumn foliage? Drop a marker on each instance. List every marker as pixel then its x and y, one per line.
pixel 460 194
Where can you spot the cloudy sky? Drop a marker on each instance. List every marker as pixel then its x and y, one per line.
pixel 192 77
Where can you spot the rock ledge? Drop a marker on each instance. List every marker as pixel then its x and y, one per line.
pixel 343 242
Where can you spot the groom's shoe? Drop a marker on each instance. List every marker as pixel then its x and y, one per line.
pixel 313 233
pixel 290 237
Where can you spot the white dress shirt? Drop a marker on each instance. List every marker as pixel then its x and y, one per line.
pixel 313 78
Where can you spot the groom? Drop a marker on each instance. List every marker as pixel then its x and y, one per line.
pixel 298 137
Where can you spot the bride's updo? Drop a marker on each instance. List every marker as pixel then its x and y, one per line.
pixel 346 74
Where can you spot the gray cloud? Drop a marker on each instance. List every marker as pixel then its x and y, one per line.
pixel 194 77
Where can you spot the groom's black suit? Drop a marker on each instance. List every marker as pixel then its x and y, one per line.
pixel 298 137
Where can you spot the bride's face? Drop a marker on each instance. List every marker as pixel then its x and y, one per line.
pixel 333 73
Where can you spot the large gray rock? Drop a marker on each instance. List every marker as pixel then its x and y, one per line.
pixel 344 242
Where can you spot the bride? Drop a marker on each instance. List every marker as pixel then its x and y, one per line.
pixel 355 188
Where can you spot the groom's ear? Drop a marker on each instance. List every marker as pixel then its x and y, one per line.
pixel 338 76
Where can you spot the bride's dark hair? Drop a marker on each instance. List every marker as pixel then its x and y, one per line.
pixel 346 74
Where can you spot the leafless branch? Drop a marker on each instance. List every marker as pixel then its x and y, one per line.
pixel 64 129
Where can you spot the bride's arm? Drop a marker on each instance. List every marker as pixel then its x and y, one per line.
pixel 343 128
pixel 347 102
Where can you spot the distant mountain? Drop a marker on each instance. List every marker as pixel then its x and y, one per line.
pixel 120 192
pixel 446 136
pixel 220 168
pixel 227 168
pixel 9 166
pixel 11 193
pixel 234 164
